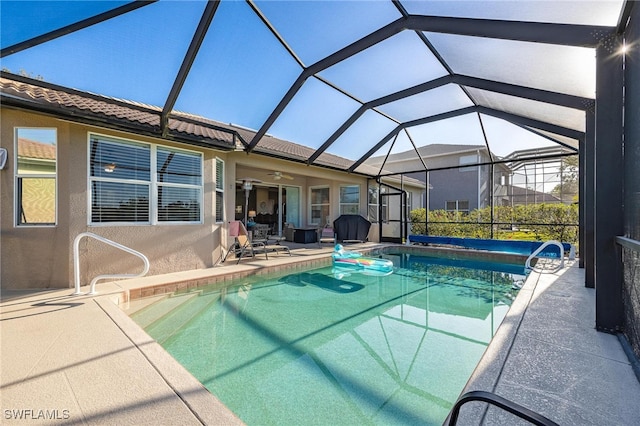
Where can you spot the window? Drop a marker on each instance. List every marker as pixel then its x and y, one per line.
pixel 179 180
pixel 468 159
pixel 36 168
pixel 320 206
pixel 461 206
pixel 374 199
pixel 219 190
pixel 350 199
pixel 132 182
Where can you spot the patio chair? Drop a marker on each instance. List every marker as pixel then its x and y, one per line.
pixel 326 235
pixel 242 244
pixel 261 236
pixel 259 241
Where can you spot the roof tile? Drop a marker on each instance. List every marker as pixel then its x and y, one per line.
pixel 189 125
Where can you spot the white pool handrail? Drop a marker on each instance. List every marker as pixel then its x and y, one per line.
pixel 76 262
pixel 527 264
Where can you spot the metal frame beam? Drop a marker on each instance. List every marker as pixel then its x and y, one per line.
pixel 588 162
pixel 187 62
pixel 486 163
pixel 561 99
pixel 356 47
pixel 438 82
pixel 555 98
pixel 530 122
pixel 76 26
pixel 563 34
pixel 513 118
pixel 554 140
pixel 536 32
pixel 608 187
pixel 418 122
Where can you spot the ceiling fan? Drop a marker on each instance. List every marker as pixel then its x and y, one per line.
pixel 280 175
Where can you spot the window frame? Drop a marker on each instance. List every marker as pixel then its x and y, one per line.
pixel 18 177
pixel 468 163
pixel 312 204
pixel 153 184
pixel 457 209
pixel 378 190
pixel 341 203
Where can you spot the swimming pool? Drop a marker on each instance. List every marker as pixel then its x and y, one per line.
pixel 314 347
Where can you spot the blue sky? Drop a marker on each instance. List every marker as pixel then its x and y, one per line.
pixel 242 71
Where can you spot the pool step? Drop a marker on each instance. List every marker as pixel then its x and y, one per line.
pixel 159 308
pixel 137 305
pixel 165 327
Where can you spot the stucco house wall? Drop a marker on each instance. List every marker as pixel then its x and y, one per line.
pixel 41 256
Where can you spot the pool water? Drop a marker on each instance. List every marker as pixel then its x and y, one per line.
pixel 325 348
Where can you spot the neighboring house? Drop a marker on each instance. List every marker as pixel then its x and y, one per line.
pixel 450 187
pixel 79 162
pixel 36 164
pixel 518 195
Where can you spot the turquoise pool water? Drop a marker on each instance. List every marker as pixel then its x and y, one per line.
pixel 316 347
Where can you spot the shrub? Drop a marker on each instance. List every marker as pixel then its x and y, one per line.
pixel 537 222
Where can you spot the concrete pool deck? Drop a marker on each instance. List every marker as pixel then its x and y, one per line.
pixel 80 360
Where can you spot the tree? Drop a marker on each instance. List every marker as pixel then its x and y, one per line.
pixel 567 189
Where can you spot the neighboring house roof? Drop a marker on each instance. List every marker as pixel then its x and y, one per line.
pixel 431 150
pixel 37 150
pixel 131 116
pixel 520 193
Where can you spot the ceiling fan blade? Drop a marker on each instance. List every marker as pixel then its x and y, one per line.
pixel 280 175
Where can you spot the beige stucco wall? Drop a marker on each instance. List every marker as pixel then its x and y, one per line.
pixel 33 257
pixel 42 257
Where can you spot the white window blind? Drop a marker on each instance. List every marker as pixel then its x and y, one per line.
pixel 123 182
pixel 179 180
pixel 219 190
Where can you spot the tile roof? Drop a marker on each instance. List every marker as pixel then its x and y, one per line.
pixel 107 110
pixel 135 116
pixel 33 149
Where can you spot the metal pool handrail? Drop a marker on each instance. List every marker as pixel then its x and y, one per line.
pixel 527 264
pixel 76 262
pixel 498 401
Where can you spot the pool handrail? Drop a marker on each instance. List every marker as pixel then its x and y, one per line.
pixel 76 262
pixel 527 264
pixel 500 402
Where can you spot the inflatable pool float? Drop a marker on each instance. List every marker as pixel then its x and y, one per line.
pixel 354 262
